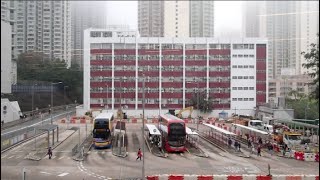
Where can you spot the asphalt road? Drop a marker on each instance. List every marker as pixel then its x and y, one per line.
pixel 101 164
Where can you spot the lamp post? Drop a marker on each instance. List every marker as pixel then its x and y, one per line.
pixel 143 106
pixel 52 99
pixel 64 95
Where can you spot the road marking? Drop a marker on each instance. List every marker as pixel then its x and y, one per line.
pixel 4 156
pixel 61 157
pixel 10 157
pixel 44 172
pixel 102 152
pixel 63 174
pixel 53 157
pixel 18 157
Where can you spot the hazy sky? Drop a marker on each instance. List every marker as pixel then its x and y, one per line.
pixel 227 18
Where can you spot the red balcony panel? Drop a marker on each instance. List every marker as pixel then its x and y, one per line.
pixel 129 95
pixel 261 65
pixel 149 73
pixel 220 95
pixel 196 84
pixel 189 96
pixel 196 63
pixel 196 73
pixel 101 51
pixel 219 63
pixel 172 84
pixel 219 84
pixel 198 52
pixel 124 73
pixel 261 52
pixel 103 62
pixel 261 76
pixel 148 62
pixel 100 84
pixel 172 63
pixel 152 95
pixel 174 106
pixel 172 52
pixel 124 84
pixel 101 73
pixel 100 95
pixel 150 84
pixel 261 98
pixel 124 52
pixel 219 73
pixel 261 87
pixel 171 95
pixel 219 51
pixel 126 63
pixel 172 73
pixel 148 52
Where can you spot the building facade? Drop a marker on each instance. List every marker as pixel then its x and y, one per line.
pixel 176 18
pixel 6 62
pixel 85 14
pixel 43 27
pixel 201 18
pixel 151 18
pixel 232 72
pixel 290 26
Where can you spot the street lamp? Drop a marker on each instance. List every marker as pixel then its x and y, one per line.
pixel 52 98
pixel 143 106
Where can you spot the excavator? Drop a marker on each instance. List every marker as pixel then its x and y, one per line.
pixel 190 108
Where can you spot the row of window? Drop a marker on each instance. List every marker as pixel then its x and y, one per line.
pixel 243 55
pixel 242 99
pixel 243 46
pixel 242 88
pixel 242 77
pixel 242 66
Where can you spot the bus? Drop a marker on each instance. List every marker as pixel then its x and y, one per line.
pixel 102 130
pixel 173 131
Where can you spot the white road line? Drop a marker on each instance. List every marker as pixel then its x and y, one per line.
pixel 4 156
pixel 53 157
pixel 18 156
pixel 10 157
pixel 44 172
pixel 61 157
pixel 63 174
pixel 34 124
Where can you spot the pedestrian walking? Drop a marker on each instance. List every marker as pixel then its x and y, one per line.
pixel 49 152
pixel 229 142
pixel 259 150
pixel 249 144
pixel 239 146
pixel 139 154
pixel 236 145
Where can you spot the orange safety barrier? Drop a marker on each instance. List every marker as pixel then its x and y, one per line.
pixel 175 177
pixel 293 178
pixel 264 177
pixel 152 178
pixel 134 120
pixel 234 178
pixel 205 177
pixel 82 121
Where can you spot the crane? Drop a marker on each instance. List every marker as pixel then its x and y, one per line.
pixel 190 108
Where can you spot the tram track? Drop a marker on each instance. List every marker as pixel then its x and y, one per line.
pixel 212 142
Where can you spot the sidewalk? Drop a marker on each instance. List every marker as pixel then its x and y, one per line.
pixel 42 152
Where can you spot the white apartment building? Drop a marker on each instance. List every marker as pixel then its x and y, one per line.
pixel 85 14
pixel 6 64
pixel 201 18
pixel 176 19
pixel 151 18
pixel 231 71
pixel 290 26
pixel 43 27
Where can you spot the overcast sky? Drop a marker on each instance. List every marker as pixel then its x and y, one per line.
pixel 227 15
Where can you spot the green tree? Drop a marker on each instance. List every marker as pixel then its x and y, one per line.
pixel 205 105
pixel 304 107
pixel 312 58
pixel 36 67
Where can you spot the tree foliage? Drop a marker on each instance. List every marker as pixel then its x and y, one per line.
pixel 312 64
pixel 33 66
pixel 205 105
pixel 304 107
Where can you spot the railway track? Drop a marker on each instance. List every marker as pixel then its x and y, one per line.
pixel 212 142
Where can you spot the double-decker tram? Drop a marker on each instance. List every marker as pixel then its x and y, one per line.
pixel 173 130
pixel 102 130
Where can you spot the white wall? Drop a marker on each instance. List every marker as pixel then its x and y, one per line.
pixel 5 57
pixel 12 111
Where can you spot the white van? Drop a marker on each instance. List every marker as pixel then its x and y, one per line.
pixel 268 128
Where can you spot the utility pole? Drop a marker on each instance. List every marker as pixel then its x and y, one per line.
pixel 143 106
pixel 32 104
pixel 198 108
